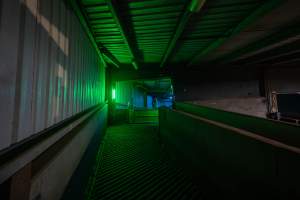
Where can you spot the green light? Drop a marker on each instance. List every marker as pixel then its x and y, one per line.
pixel 113 96
pixel 196 5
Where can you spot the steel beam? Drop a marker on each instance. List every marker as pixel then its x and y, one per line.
pixel 294 60
pixel 112 5
pixel 109 57
pixel 151 90
pixel 286 35
pixel 256 14
pixel 278 56
pixel 193 6
pixel 97 46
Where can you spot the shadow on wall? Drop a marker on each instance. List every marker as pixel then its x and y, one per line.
pixel 43 70
pixel 56 34
pixel 59 76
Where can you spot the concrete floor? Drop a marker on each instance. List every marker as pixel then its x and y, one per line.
pixel 132 165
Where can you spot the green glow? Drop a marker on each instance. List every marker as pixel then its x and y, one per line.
pixel 113 96
pixel 196 5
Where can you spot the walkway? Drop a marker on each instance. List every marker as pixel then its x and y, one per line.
pixel 132 165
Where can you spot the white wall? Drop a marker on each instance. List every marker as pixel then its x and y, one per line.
pixel 49 70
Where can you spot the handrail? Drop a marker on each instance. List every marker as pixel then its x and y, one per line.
pixel 284 132
pixel 16 149
pixel 235 113
pixel 249 134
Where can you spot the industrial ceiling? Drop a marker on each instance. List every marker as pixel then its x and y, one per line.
pixel 193 33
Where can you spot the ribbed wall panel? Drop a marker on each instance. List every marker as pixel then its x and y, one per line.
pixel 58 72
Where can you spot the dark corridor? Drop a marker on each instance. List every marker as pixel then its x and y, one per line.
pixel 149 99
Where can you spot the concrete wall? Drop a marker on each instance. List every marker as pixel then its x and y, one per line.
pixel 283 80
pixel 254 106
pixel 49 70
pixel 215 89
pixel 236 90
pixel 228 162
pixel 280 80
pixel 282 132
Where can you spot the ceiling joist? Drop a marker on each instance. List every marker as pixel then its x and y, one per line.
pixel 137 33
pixel 112 5
pixel 109 57
pixel 192 7
pixel 102 52
pixel 256 14
pixel 286 35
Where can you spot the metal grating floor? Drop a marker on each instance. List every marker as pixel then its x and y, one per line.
pixel 132 165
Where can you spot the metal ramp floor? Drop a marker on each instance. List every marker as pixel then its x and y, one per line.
pixel 132 165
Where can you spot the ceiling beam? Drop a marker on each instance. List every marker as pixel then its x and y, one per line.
pixel 74 5
pixel 112 5
pixel 109 57
pixel 103 53
pixel 294 60
pixel 272 55
pixel 151 90
pixel 255 15
pixel 282 58
pixel 270 59
pixel 192 7
pixel 286 35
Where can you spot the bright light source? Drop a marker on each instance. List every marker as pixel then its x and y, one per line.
pixel 113 95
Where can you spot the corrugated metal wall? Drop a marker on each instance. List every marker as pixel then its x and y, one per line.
pixel 126 93
pixel 49 69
